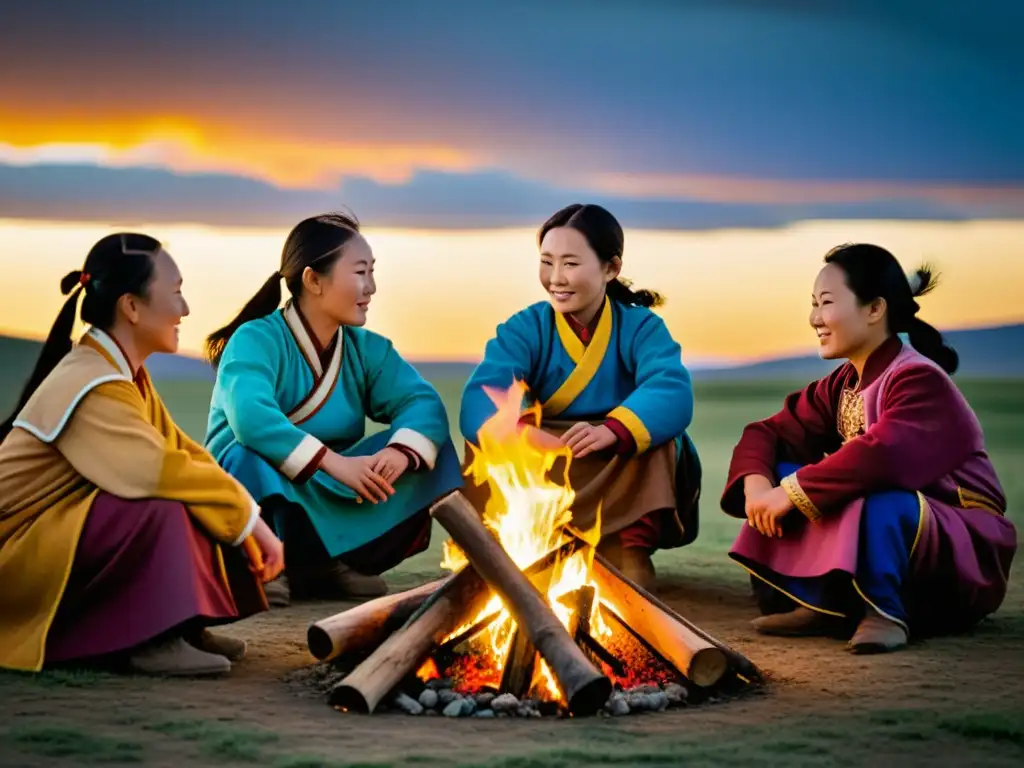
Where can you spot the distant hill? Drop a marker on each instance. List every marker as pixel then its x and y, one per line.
pixel 996 352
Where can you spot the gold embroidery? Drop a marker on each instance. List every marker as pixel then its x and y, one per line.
pixel 800 499
pixel 973 500
pixel 850 419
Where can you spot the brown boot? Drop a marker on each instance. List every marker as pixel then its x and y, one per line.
pixel 230 648
pixel 335 581
pixel 177 658
pixel 877 634
pixel 278 592
pixel 800 622
pixel 638 568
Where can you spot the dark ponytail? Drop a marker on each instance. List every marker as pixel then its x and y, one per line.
pixel 118 264
pixel 923 337
pixel 872 273
pixel 266 300
pixel 605 236
pixel 317 243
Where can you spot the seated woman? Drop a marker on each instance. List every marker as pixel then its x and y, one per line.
pixel 899 522
pixel 294 390
pixel 611 383
pixel 120 538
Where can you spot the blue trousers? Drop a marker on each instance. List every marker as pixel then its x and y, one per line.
pixel 888 531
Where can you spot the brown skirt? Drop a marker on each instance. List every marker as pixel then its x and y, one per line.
pixel 142 569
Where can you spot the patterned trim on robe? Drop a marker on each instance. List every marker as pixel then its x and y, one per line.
pixel 973 500
pixel 800 499
pixel 107 348
pixel 636 427
pixel 421 445
pixel 587 359
pixel 850 419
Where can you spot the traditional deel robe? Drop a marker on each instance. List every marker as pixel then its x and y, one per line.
pixel 281 402
pixel 901 507
pixel 624 371
pixel 93 431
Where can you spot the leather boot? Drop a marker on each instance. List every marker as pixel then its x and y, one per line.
pixel 177 658
pixel 278 592
pixel 638 568
pixel 334 581
pixel 877 634
pixel 800 622
pixel 230 648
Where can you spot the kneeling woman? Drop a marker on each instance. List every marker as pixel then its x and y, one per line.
pixel 119 536
pixel 612 387
pixel 885 511
pixel 295 387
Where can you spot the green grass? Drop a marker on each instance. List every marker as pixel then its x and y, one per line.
pixel 70 742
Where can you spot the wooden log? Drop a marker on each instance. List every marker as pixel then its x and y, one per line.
pixel 584 687
pixel 456 602
pixel 700 661
pixel 581 601
pixel 520 664
pixel 366 626
pixel 739 663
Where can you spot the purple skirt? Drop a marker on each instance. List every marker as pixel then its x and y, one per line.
pixel 143 568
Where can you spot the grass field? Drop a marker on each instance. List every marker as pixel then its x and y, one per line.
pixel 947 701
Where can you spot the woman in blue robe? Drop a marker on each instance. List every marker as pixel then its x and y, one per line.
pixel 295 387
pixel 611 384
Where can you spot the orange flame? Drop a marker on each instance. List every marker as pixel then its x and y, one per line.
pixel 529 513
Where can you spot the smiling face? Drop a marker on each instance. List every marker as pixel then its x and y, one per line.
pixel 155 318
pixel 346 288
pixel 572 274
pixel 844 326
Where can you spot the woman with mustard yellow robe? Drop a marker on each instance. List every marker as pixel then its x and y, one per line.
pixel 120 537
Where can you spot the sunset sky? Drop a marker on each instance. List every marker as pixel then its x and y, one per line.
pixel 736 140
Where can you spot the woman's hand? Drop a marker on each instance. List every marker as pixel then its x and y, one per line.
pixel 765 511
pixel 357 473
pixel 585 438
pixel 268 559
pixel 541 440
pixel 390 463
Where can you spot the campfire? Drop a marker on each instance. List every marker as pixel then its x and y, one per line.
pixel 531 618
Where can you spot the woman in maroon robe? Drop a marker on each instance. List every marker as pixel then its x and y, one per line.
pixel 869 497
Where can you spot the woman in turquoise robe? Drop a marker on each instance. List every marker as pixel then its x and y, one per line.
pixel 611 382
pixel 295 387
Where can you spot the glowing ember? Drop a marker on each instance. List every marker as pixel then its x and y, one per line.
pixel 529 514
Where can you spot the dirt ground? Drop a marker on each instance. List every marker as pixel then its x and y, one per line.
pixel 949 701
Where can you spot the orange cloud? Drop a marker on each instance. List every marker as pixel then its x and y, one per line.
pixel 187 146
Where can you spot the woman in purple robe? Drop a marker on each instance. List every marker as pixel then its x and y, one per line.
pixel 869 498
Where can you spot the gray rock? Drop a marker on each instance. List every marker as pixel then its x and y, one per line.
pixel 638 702
pixel 619 707
pixel 610 704
pixel 468 707
pixel 428 698
pixel 658 701
pixel 676 693
pixel 431 713
pixel 438 683
pixel 505 703
pixel 408 704
pixel 484 713
pixel 446 696
pixel 454 709
pixel 484 700
pixel 645 689
pixel 525 711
